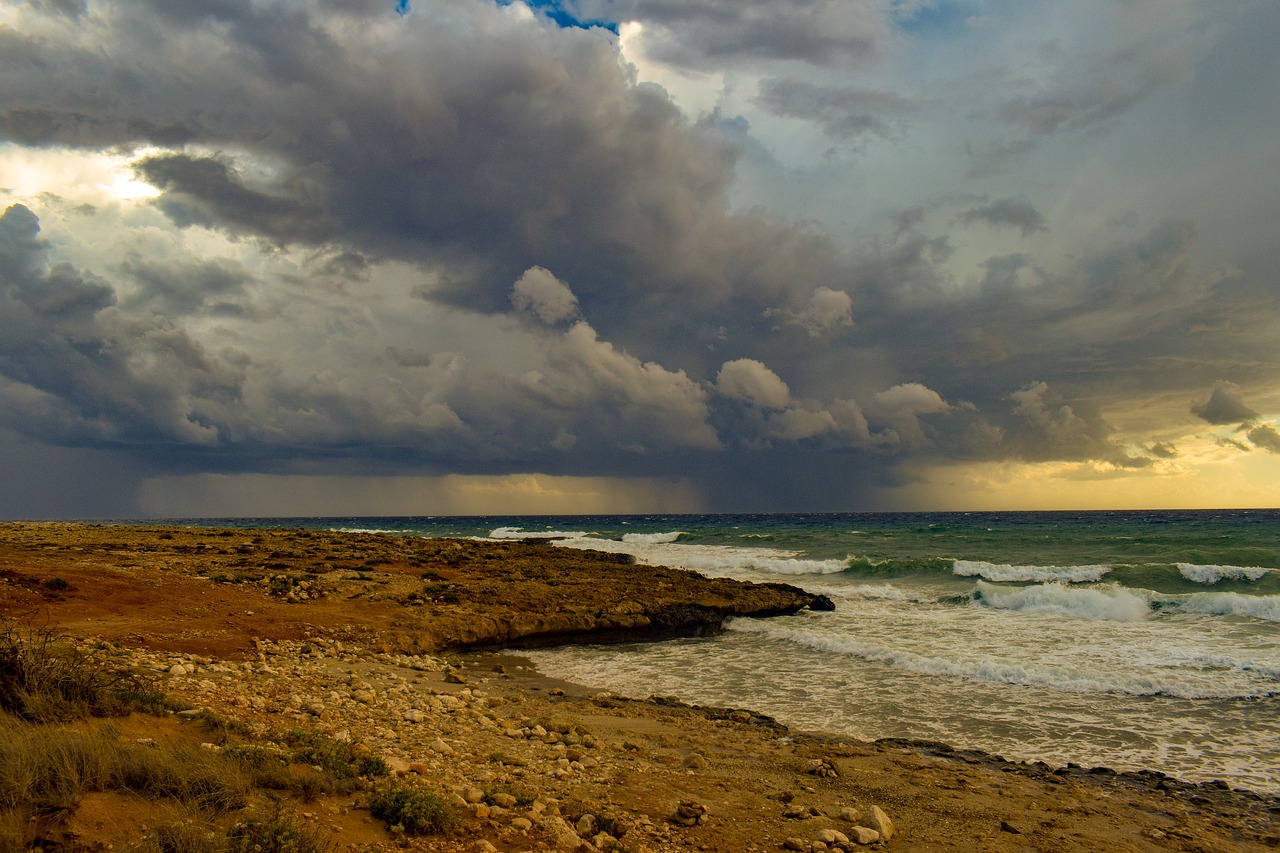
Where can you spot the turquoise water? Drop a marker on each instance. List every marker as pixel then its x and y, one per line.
pixel 1124 639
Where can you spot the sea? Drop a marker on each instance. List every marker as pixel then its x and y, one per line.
pixel 1128 640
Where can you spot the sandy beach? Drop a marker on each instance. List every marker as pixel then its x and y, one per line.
pixel 395 644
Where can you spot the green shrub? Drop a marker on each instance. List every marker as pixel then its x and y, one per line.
pixel 277 833
pixel 413 810
pixel 339 758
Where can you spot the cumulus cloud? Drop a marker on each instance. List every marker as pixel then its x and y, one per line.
pixel 752 382
pixel 1225 405
pixel 639 406
pixel 547 297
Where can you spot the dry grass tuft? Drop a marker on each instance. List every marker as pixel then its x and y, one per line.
pixel 45 677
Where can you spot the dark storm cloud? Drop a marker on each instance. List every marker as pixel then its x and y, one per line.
pixel 1266 437
pixel 843 113
pixel 1225 405
pixel 628 321
pixel 535 150
pixel 1008 213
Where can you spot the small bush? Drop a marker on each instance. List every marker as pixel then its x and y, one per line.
pixel 336 757
pixel 278 833
pixel 45 677
pixel 56 584
pixel 413 810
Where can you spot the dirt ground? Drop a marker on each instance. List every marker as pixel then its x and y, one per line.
pixel 221 593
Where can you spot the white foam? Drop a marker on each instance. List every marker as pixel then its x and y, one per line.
pixel 1022 574
pixel 1111 603
pixel 521 533
pixel 1265 607
pixel 652 538
pixel 721 560
pixel 1213 574
pixel 883 592
pixel 1000 672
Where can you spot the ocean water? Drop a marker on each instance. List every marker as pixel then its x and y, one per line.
pixel 1129 640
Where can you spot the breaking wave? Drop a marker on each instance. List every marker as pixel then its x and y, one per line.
pixel 1023 574
pixel 1213 574
pixel 1111 603
pixel 652 538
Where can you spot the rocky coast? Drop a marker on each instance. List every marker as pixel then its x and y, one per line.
pixel 396 645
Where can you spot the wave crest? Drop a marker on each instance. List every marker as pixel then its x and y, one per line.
pixel 1111 603
pixel 1213 574
pixel 1037 574
pixel 652 538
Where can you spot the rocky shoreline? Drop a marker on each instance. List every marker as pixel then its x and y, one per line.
pixel 374 640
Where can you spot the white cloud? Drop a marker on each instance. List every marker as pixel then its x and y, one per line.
pixel 547 297
pixel 752 382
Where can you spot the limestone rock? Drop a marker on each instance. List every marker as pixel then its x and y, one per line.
pixel 876 819
pixel 831 836
pixel 561 832
pixel 863 835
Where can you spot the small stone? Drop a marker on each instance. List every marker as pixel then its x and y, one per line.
pixel 694 761
pixel 794 843
pixel 438 745
pixel 831 836
pixel 397 766
pixel 413 715
pixel 523 824
pixel 586 825
pixel 483 846
pixel 1010 828
pixel 362 696
pixel 850 814
pixel 505 801
pixel 473 795
pixel 863 835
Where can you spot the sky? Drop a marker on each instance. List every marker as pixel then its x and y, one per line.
pixel 375 257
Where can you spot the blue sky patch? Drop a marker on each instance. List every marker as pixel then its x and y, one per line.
pixel 554 10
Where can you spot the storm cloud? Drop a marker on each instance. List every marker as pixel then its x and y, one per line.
pixel 352 240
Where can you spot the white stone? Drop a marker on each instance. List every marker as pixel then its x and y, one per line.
pixel 876 819
pixel 863 835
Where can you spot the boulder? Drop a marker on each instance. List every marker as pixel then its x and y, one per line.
pixel 876 819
